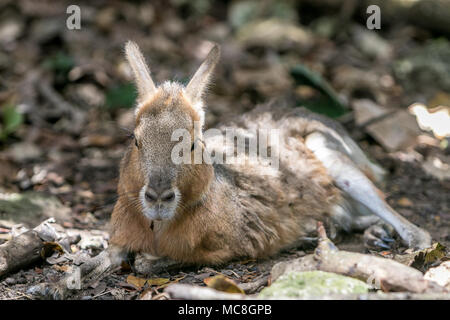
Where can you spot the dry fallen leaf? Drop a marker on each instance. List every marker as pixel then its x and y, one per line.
pixel 51 247
pixel 169 283
pixel 63 268
pixel 157 281
pixel 135 281
pixel 223 283
pixel 404 202
pixel 422 259
pixel 140 282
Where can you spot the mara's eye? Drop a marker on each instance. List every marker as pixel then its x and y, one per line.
pixel 136 143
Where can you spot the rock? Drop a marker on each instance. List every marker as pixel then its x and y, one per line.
pixel 93 242
pixel 313 284
pixel 395 132
pixel 106 18
pixel 90 239
pixel 10 30
pixel 275 34
pixel 146 14
pixel 31 208
pixel 90 95
pixel 437 168
pixel 367 110
pixel 271 81
pixel 217 32
pixel 371 44
pixel 440 274
pixel 436 120
pixel 24 151
pixel 243 12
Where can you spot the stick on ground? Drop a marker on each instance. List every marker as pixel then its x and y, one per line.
pixel 390 275
pixel 25 249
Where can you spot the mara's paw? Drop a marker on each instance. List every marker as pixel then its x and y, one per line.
pixel 48 291
pixel 146 264
pixel 417 238
pixel 379 236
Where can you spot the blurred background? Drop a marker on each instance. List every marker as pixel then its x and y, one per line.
pixel 66 96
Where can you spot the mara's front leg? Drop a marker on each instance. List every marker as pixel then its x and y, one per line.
pixel 358 187
pixel 82 276
pixel 149 265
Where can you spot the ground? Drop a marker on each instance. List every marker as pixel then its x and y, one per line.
pixel 72 90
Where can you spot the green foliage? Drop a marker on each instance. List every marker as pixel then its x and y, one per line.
pixel 122 96
pixel 11 120
pixel 60 62
pixel 328 103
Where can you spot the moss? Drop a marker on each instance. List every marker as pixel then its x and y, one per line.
pixel 30 208
pixel 313 284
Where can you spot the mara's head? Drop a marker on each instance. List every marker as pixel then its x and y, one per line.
pixel 167 117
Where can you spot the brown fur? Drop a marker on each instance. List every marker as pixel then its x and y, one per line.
pixel 227 211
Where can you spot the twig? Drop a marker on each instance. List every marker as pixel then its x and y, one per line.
pixel 190 292
pixel 58 102
pixel 254 286
pixel 390 275
pixel 102 294
pixel 24 249
pixel 21 294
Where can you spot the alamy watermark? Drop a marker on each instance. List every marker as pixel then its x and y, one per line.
pixel 73 22
pixel 237 146
pixel 374 20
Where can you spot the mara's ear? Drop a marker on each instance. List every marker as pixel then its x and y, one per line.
pixel 200 80
pixel 145 86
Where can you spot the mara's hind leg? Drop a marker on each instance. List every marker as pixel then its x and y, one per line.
pixel 359 188
pixel 350 216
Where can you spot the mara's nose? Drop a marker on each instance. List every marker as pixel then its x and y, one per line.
pixel 152 195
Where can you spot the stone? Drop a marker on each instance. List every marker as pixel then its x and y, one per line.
pixel 440 274
pixel 275 34
pixel 366 110
pixel 396 132
pixel 31 208
pixel 313 284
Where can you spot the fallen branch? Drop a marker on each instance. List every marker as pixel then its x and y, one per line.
pixel 20 251
pixel 254 286
pixel 190 292
pixel 62 106
pixel 26 248
pixel 389 275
